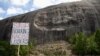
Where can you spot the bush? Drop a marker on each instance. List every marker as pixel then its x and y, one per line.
pixel 79 43
pixel 97 39
pixel 6 49
pixel 11 50
pixel 91 45
pixel 73 38
pixel 82 44
pixel 25 49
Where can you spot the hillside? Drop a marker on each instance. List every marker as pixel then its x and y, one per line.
pixel 57 22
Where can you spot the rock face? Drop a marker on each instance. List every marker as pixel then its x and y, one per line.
pixel 58 21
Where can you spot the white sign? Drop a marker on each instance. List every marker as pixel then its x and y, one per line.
pixel 20 34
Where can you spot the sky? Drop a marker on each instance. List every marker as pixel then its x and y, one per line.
pixel 10 8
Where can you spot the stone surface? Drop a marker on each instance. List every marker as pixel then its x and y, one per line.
pixel 58 21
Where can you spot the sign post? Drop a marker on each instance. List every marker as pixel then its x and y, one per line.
pixel 20 35
pixel 18 50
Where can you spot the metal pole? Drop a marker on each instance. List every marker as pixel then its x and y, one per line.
pixel 18 50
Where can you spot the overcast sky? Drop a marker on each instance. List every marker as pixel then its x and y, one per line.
pixel 14 7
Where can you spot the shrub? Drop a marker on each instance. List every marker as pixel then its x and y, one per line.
pixel 73 38
pixel 26 49
pixel 91 45
pixel 11 50
pixel 97 37
pixel 82 44
pixel 6 49
pixel 79 43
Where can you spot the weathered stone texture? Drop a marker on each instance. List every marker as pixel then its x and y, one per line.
pixel 58 21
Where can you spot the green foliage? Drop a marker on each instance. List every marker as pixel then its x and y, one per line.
pixel 79 44
pixel 6 49
pixel 73 38
pixel 91 45
pixel 83 44
pixel 10 50
pixel 97 37
pixel 25 49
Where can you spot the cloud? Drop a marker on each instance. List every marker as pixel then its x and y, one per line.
pixel 19 2
pixel 13 10
pixel 45 3
pixel 32 9
pixel 25 11
pixel 42 3
pixel 2 11
pixel 1 18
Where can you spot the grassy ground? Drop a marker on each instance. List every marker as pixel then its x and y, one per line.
pixel 57 48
